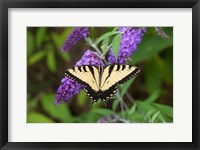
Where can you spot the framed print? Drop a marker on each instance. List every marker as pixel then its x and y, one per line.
pixel 82 75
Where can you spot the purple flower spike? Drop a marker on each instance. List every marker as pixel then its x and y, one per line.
pixel 76 35
pixel 131 38
pixel 66 90
pixel 90 58
pixel 69 88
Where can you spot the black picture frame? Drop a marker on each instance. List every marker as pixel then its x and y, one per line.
pixel 6 4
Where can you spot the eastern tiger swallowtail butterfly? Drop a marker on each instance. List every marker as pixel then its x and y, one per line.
pixel 101 82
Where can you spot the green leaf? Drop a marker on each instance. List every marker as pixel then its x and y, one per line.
pixel 98 40
pixel 51 61
pixel 60 38
pixel 31 104
pixel 115 28
pixel 132 110
pixel 35 117
pixel 30 43
pixel 167 66
pixel 163 118
pixel 125 86
pixel 147 117
pixel 154 117
pixel 103 111
pixel 152 112
pixel 145 107
pixel 152 75
pixel 61 112
pixel 36 57
pixel 115 104
pixel 88 117
pixel 40 35
pixel 106 41
pixel 153 97
pixel 93 33
pixel 65 56
pixel 115 45
pixel 81 97
pixel 151 46
pixel 136 117
pixel 97 104
pixel 103 48
pixel 167 110
pixel 57 40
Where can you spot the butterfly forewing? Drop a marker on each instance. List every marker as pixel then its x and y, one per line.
pixel 87 76
pixel 116 74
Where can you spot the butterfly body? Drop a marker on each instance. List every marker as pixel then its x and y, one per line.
pixel 101 82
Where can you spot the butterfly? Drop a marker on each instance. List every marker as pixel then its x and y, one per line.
pixel 101 82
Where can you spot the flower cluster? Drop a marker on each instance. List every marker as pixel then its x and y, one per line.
pixel 130 40
pixel 66 90
pixel 69 88
pixel 90 58
pixel 76 35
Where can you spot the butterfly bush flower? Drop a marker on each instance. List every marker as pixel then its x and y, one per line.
pixel 76 35
pixel 66 90
pixel 70 88
pixel 130 40
pixel 90 58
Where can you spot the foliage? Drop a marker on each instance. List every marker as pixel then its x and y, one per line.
pixel 147 98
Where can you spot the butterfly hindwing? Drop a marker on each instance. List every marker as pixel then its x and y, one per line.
pixel 107 94
pixel 91 93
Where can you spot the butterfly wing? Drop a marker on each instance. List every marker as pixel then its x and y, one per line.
pixel 114 75
pixel 87 76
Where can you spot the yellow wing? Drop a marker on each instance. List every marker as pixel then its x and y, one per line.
pixel 87 76
pixel 117 74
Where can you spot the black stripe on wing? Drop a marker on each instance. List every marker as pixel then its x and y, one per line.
pixel 92 71
pixel 109 71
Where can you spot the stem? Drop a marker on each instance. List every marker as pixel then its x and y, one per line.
pixel 130 97
pixel 96 48
pixel 106 50
pixel 121 104
pixel 122 108
pixel 125 106
pixel 120 97
pixel 93 45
